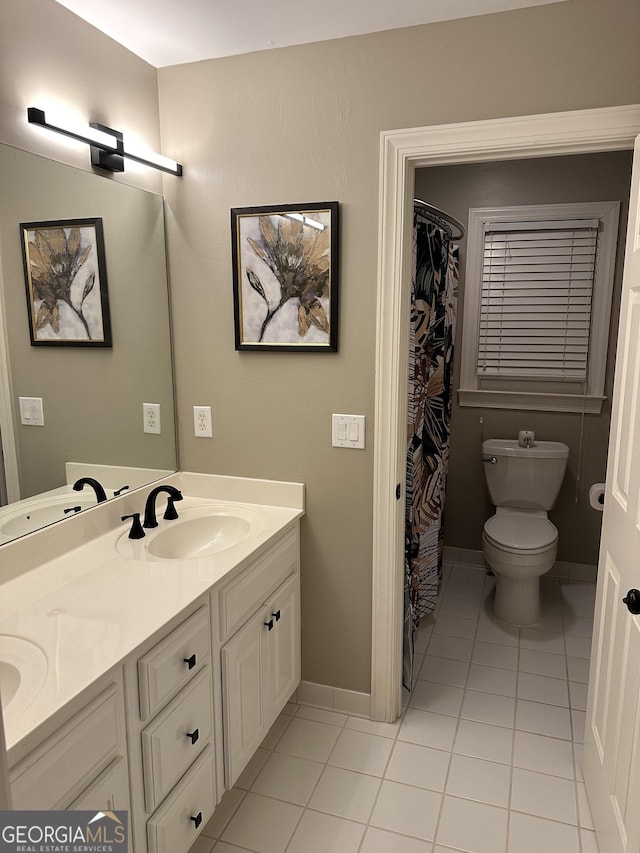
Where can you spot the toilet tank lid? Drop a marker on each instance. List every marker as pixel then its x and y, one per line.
pixel 510 447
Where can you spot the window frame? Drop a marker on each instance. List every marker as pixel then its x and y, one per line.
pixel 539 394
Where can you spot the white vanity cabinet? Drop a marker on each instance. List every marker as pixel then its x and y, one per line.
pixel 163 719
pixel 171 741
pixel 83 763
pixel 260 656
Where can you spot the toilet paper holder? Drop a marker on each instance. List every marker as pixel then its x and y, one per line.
pixel 596 496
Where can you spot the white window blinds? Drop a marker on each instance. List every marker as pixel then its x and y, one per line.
pixel 537 286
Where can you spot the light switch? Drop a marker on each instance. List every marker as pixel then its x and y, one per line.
pixel 31 411
pixel 347 431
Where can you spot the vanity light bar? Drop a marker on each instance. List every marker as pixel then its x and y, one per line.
pixel 108 141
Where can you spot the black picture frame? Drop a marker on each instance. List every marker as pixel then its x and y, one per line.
pixel 285 277
pixel 66 283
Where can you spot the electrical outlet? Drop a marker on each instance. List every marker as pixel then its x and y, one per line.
pixel 202 421
pixel 151 415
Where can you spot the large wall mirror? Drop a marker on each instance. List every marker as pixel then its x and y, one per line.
pixel 92 396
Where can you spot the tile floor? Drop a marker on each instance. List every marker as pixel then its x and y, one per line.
pixel 485 758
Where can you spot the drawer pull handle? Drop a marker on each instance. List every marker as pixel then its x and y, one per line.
pixel 197 819
pixel 276 615
pixel 269 624
pixel 194 735
pixel 191 662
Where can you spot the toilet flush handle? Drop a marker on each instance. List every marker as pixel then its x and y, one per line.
pixel 490 460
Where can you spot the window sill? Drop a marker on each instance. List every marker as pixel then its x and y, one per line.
pixel 590 405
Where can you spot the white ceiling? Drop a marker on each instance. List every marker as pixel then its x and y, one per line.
pixel 170 32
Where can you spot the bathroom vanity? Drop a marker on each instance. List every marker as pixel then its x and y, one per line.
pixel 150 671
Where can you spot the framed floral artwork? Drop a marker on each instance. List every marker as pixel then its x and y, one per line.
pixel 285 277
pixel 66 281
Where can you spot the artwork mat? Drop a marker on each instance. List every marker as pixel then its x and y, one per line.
pixel 250 309
pixel 97 301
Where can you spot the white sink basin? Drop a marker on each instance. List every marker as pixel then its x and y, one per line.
pixel 23 667
pixel 40 513
pixel 198 532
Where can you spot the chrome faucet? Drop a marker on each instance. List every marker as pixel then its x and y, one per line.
pixel 101 495
pixel 150 506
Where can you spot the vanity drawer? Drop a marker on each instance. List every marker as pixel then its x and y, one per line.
pixel 62 766
pixel 173 662
pixel 172 742
pixel 177 823
pixel 240 598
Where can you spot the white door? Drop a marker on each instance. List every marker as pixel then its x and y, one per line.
pixel 612 739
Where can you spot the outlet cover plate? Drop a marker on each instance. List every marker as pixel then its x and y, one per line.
pixel 151 416
pixel 202 424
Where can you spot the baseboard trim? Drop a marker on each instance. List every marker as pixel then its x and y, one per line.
pixel 333 699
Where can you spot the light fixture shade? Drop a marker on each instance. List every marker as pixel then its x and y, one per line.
pixel 107 145
pixel 110 160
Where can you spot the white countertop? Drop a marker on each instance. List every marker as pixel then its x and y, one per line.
pixel 90 607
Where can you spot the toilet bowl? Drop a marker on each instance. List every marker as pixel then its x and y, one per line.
pixel 520 547
pixel 519 542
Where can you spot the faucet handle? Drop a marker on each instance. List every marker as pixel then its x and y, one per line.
pixel 136 531
pixel 171 512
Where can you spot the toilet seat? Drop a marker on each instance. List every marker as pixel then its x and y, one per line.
pixel 521 532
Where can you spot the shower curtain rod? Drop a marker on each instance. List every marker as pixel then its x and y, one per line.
pixel 435 211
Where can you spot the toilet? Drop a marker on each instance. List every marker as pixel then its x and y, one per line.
pixel 519 542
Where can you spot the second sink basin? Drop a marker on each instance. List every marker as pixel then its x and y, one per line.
pixel 199 532
pixel 40 513
pixel 23 667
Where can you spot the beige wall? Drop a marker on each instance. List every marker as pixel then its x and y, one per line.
pixel 593 177
pixel 50 58
pixel 302 124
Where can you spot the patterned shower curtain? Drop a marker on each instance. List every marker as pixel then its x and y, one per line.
pixel 434 284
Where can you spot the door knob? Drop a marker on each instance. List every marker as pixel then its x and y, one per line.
pixel 632 600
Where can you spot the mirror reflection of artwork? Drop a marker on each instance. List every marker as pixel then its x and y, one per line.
pixel 285 269
pixel 65 274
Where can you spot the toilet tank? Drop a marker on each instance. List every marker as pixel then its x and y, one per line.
pixel 524 477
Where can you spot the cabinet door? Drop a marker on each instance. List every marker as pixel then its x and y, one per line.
pixel 244 669
pixel 109 792
pixel 284 646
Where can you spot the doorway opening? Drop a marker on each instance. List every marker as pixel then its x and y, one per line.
pixel 611 129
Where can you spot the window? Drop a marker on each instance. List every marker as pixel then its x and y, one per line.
pixel 537 305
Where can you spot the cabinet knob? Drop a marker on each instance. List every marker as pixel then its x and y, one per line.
pixel 197 819
pixel 191 662
pixel 194 735
pixel 276 615
pixel 269 624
